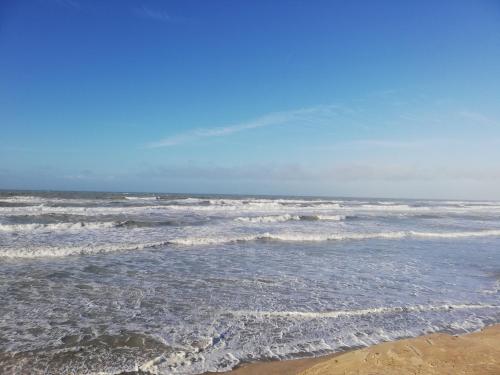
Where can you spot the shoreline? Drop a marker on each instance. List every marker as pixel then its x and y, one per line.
pixel 436 353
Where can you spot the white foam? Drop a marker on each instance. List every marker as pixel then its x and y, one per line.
pixel 392 207
pixel 481 233
pixel 330 217
pixel 27 252
pixel 308 237
pixel 141 198
pixel 56 227
pixel 85 249
pixel 288 217
pixel 250 204
pixel 23 199
pixel 39 200
pixel 86 211
pixel 362 312
pixel 268 219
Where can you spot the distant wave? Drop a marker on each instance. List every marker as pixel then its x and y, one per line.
pixel 28 200
pixel 23 199
pixel 393 207
pixel 361 312
pixel 84 211
pixel 304 208
pixel 287 217
pixel 325 217
pixel 248 204
pixel 141 198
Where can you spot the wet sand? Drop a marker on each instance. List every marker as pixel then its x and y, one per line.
pixel 440 353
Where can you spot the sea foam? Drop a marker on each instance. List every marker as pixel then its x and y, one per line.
pixel 34 251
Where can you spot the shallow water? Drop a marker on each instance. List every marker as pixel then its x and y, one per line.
pixel 100 282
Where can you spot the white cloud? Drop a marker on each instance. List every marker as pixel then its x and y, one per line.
pixel 154 14
pixel 477 118
pixel 305 115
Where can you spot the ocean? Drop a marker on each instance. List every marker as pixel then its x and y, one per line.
pixel 183 284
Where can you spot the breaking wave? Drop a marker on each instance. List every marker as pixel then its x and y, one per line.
pixel 61 251
pixel 197 241
pixel 287 217
pixel 268 219
pixel 14 228
pixel 305 237
pixel 132 198
pixel 84 225
pixel 361 312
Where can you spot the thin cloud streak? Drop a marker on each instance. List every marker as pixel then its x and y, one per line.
pixel 157 15
pixel 477 118
pixel 68 3
pixel 276 118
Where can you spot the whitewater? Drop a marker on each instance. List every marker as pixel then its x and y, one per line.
pixel 185 284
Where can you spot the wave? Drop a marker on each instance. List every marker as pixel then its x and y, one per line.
pixel 306 209
pixel 146 224
pixel 199 241
pixel 13 228
pixel 268 219
pixel 393 207
pixel 285 237
pixel 480 233
pixel 32 200
pixel 84 211
pixel 83 225
pixel 35 210
pixel 306 237
pixel 249 203
pixel 287 217
pixel 325 217
pixel 361 312
pixel 23 199
pixel 61 251
pixel 142 198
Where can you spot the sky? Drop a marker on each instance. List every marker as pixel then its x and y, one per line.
pixel 335 98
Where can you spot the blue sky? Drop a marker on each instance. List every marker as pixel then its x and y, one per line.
pixel 340 98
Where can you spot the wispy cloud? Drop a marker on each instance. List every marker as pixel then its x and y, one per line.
pixel 154 14
pixel 68 3
pixel 305 115
pixel 477 118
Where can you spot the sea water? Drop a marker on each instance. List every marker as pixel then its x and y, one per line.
pixel 113 282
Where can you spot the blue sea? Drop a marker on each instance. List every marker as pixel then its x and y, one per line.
pixel 104 283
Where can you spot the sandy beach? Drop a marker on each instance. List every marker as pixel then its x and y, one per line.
pixel 474 353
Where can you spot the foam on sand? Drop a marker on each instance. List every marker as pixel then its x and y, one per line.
pixel 433 354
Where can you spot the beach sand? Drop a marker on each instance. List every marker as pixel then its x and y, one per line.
pixel 475 353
